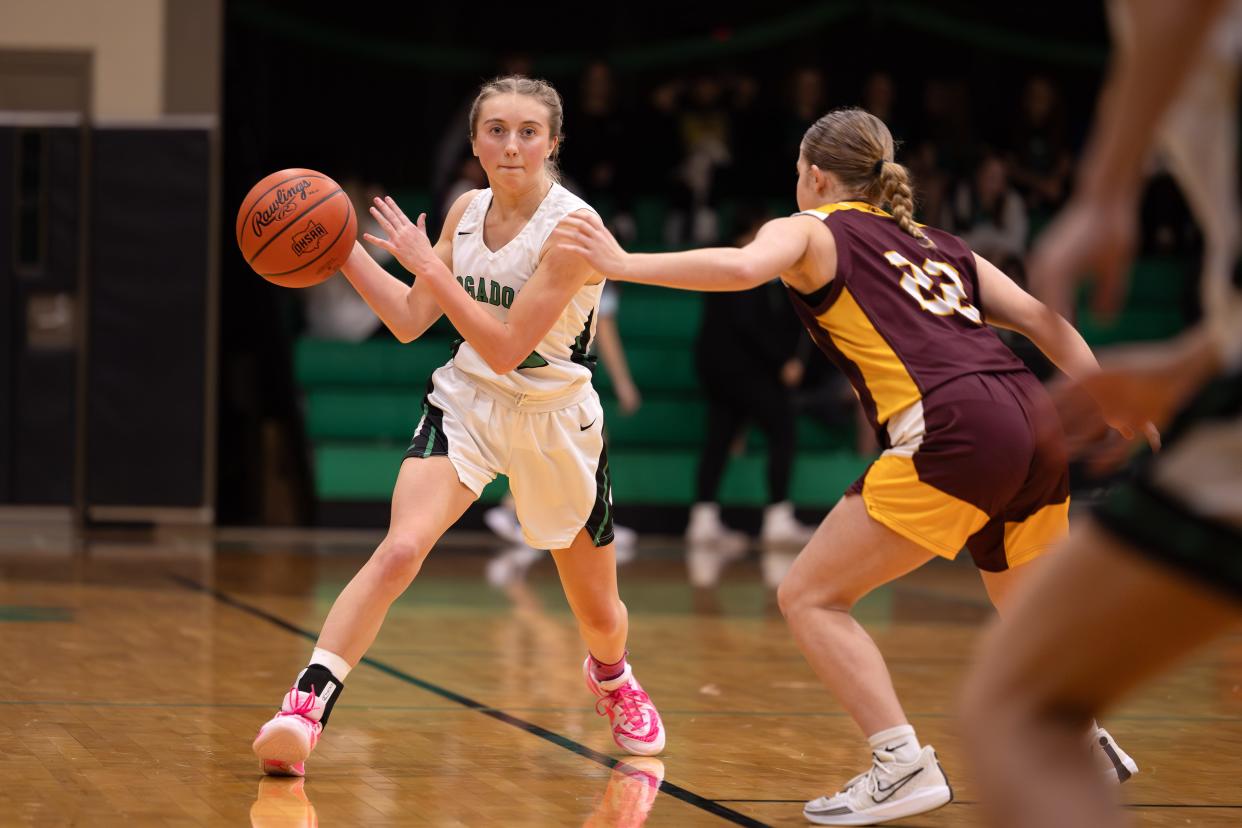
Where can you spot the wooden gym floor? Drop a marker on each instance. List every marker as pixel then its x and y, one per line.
pixel 137 668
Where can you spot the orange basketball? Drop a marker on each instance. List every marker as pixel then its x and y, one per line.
pixel 296 227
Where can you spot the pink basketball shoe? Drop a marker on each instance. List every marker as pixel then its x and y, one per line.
pixel 636 725
pixel 284 742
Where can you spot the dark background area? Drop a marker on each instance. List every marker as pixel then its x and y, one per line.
pixel 375 91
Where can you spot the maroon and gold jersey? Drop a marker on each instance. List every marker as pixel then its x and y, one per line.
pixel 899 319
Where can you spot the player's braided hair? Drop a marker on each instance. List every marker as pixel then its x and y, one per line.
pixel 857 147
pixel 541 91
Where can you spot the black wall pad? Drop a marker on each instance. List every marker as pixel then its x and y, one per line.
pixel 149 273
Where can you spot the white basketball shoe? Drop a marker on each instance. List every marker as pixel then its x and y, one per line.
pixel 888 790
pixel 1113 761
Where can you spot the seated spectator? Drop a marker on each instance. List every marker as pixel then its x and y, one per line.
pixel 1039 161
pixel 990 216
pixel 597 165
pixel 703 113
pixel 879 97
pixel 931 183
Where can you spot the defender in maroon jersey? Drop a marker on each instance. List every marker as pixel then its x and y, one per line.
pixel 903 319
pixel 973 452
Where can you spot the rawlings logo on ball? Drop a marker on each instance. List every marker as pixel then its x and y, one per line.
pixel 284 203
pixel 309 215
pixel 308 238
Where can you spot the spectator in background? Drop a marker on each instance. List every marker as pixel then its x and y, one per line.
pixel 469 177
pixel 596 164
pixel 804 101
pixel 702 113
pixel 946 125
pixel 745 357
pixel 1039 159
pixel 940 150
pixel 990 216
pixel 334 310
pixel 879 97
pixel 612 352
pixel 931 183
pixel 825 395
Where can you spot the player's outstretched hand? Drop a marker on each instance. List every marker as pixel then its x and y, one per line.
pixel 407 241
pixel 1093 240
pixel 1137 391
pixel 585 234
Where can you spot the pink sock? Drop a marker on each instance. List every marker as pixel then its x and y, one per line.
pixel 607 672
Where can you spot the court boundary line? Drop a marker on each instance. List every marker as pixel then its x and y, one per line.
pixel 1199 805
pixel 666 787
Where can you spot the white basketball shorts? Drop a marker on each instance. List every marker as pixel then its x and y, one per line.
pixel 552 451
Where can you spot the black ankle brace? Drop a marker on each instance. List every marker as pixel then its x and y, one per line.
pixel 319 680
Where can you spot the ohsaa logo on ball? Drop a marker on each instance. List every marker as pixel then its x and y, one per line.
pixel 308 237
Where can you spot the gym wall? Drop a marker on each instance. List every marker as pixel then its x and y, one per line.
pixel 108 184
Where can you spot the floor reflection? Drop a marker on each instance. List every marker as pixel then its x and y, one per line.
pixel 282 803
pixel 631 793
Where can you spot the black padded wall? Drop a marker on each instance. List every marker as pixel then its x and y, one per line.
pixel 149 270
pixel 40 250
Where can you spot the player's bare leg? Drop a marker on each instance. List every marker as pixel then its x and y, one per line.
pixel 1094 622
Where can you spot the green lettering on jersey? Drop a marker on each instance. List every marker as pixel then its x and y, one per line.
pixel 482 291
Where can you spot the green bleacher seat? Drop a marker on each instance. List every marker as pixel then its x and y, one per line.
pixel 654 314
pixel 668 368
pixel 381 414
pixel 348 471
pixel 659 422
pixel 362 401
pixel 351 472
pixel 1131 326
pixel 649 215
pixel 667 477
pixel 412 202
pixel 384 362
pixel 1158 282
pixel 365 414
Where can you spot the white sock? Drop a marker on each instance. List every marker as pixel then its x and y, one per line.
pixel 338 666
pixel 898 741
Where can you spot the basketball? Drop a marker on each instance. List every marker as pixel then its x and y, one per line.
pixel 296 227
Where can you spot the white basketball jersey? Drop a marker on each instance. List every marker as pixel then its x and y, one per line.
pixel 558 366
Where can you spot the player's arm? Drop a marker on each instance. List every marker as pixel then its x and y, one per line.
pixel 778 247
pixel 1009 306
pixel 1160 43
pixel 407 311
pixel 421 299
pixel 1157 44
pixel 503 345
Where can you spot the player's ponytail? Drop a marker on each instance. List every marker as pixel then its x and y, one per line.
pixel 857 148
pixel 894 186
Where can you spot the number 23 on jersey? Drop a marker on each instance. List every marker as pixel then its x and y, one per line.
pixel 917 282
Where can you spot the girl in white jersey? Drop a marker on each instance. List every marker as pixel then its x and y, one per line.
pixel 515 399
